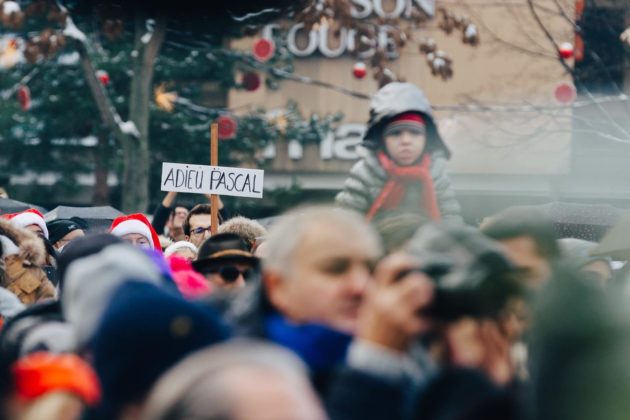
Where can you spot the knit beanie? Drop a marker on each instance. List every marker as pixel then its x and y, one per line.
pixel 411 121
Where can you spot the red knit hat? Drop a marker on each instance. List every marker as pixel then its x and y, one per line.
pixel 136 223
pixel 40 373
pixel 27 218
pixel 411 120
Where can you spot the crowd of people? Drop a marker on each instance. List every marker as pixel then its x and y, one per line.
pixel 382 305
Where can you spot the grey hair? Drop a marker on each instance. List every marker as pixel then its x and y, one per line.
pixel 246 228
pixel 193 389
pixel 289 231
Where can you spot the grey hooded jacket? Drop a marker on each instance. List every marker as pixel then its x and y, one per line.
pixel 367 177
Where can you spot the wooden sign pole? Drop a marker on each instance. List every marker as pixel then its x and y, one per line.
pixel 214 161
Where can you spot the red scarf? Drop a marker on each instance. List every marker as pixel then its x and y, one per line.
pixel 395 189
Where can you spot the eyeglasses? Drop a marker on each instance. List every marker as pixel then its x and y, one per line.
pixel 230 273
pixel 200 230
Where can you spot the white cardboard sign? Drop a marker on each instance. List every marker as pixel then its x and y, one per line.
pixel 220 180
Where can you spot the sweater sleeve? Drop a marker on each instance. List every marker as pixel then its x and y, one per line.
pixel 160 217
pixel 360 188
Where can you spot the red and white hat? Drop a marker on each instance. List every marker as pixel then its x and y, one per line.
pixel 135 223
pixel 27 218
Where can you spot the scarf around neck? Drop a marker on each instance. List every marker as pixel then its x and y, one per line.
pixel 398 179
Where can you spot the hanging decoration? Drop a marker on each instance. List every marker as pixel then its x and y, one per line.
pixel 24 97
pixel 103 77
pixel 565 92
pixel 359 70
pixel 251 81
pixel 263 50
pixel 566 50
pixel 227 127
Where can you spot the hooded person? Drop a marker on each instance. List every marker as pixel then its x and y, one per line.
pixel 404 165
pixel 137 230
pixel 22 256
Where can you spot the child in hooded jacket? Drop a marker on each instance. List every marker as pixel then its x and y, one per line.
pixel 403 169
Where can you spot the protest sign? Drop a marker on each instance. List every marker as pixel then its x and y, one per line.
pixel 220 180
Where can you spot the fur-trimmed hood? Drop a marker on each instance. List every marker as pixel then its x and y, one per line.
pixel 30 246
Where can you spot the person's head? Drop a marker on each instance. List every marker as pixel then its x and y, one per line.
pixel 178 216
pixel 528 239
pixel 226 261
pixel 143 332
pixel 183 249
pixel 246 228
pixel 63 231
pixel 197 224
pixel 317 265
pixel 31 219
pixel 224 381
pixel 404 138
pixel 137 230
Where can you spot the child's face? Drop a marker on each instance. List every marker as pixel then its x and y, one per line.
pixel 405 146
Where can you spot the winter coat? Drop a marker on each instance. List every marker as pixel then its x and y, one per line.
pixel 367 177
pixel 23 255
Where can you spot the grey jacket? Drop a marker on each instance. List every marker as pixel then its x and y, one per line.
pixel 367 177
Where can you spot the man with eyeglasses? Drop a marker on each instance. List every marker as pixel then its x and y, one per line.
pixel 226 262
pixel 197 224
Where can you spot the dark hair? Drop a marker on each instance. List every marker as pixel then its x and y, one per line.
pixel 177 206
pixel 198 209
pixel 517 221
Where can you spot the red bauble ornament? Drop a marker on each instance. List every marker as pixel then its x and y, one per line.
pixel 251 81
pixel 263 49
pixel 103 77
pixel 566 50
pixel 24 97
pixel 359 70
pixel 227 127
pixel 565 93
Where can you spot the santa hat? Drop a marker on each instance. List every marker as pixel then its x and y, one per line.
pixel 27 218
pixel 135 223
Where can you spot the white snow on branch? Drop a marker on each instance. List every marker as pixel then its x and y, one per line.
pixel 254 15
pixel 129 127
pixel 625 36
pixel 71 31
pixel 471 31
pixel 71 59
pixel 146 38
pixel 10 7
